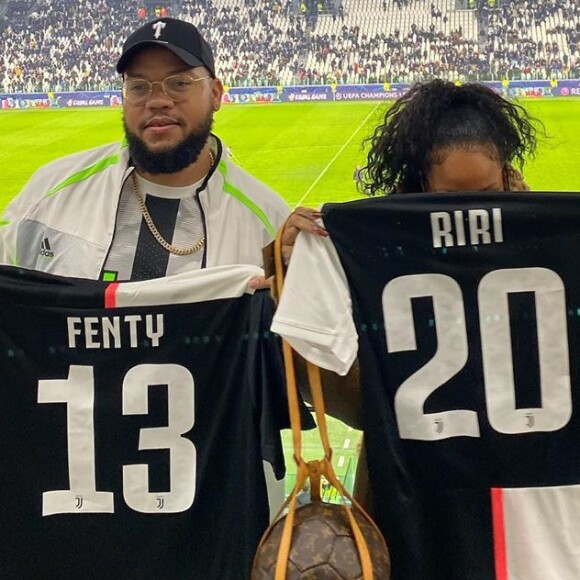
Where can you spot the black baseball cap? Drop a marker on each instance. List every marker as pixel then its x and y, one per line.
pixel 178 36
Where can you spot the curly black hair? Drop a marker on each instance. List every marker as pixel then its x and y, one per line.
pixel 439 115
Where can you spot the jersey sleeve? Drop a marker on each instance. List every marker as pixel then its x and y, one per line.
pixel 315 311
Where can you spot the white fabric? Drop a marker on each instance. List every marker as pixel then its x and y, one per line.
pixel 209 284
pixel 542 536
pixel 315 311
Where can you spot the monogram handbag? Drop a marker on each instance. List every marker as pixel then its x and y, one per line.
pixel 318 540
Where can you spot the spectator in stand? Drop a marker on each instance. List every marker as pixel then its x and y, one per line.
pixel 439 130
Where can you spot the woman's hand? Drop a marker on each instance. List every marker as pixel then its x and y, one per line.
pixel 302 219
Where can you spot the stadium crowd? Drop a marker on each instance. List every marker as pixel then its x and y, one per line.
pixel 516 49
pixel 50 45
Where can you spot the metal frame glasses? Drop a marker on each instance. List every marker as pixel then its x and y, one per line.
pixel 177 87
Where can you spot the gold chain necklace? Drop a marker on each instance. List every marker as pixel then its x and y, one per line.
pixel 153 229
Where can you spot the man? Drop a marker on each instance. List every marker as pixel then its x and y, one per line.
pixel 165 201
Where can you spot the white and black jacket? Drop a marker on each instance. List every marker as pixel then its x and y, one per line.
pixel 73 202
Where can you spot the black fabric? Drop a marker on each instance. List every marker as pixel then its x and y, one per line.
pixel 432 497
pixel 222 345
pixel 269 366
pixel 151 258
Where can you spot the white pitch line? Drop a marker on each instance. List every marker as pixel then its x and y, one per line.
pixel 329 164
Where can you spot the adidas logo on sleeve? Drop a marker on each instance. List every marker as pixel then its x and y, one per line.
pixel 45 249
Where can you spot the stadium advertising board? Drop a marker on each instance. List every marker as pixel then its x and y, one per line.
pixel 307 93
pixel 385 92
pixel 538 89
pixel 334 92
pixel 61 100
pixel 241 95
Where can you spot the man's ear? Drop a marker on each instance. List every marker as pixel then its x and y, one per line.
pixel 217 91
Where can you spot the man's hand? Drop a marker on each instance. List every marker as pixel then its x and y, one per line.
pixel 260 282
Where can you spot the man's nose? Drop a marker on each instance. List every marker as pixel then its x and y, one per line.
pixel 158 97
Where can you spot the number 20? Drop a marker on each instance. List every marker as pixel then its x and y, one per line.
pixel 78 391
pixel 452 352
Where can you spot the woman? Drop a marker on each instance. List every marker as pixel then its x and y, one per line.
pixel 442 137
pixel 439 137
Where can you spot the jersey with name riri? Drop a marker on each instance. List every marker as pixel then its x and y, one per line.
pixel 464 313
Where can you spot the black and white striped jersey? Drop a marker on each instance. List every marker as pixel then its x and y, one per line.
pixel 464 313
pixel 135 418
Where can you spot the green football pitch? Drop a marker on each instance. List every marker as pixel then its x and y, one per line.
pixel 307 152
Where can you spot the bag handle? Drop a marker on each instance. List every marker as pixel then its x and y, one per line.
pixel 312 469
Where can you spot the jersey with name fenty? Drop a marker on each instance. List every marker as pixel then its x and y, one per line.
pixel 464 312
pixel 135 418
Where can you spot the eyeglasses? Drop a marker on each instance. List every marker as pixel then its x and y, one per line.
pixel 176 87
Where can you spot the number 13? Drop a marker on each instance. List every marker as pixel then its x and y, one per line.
pixel 78 391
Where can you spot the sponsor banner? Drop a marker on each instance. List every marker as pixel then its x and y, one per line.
pixel 60 100
pixel 304 93
pixel 539 89
pixel 385 92
pixel 27 101
pixel 242 95
pixel 89 99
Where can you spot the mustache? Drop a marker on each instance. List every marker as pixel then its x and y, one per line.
pixel 157 120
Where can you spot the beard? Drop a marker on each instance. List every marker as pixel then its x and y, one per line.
pixel 173 159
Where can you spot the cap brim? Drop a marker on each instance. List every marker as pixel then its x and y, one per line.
pixel 185 56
